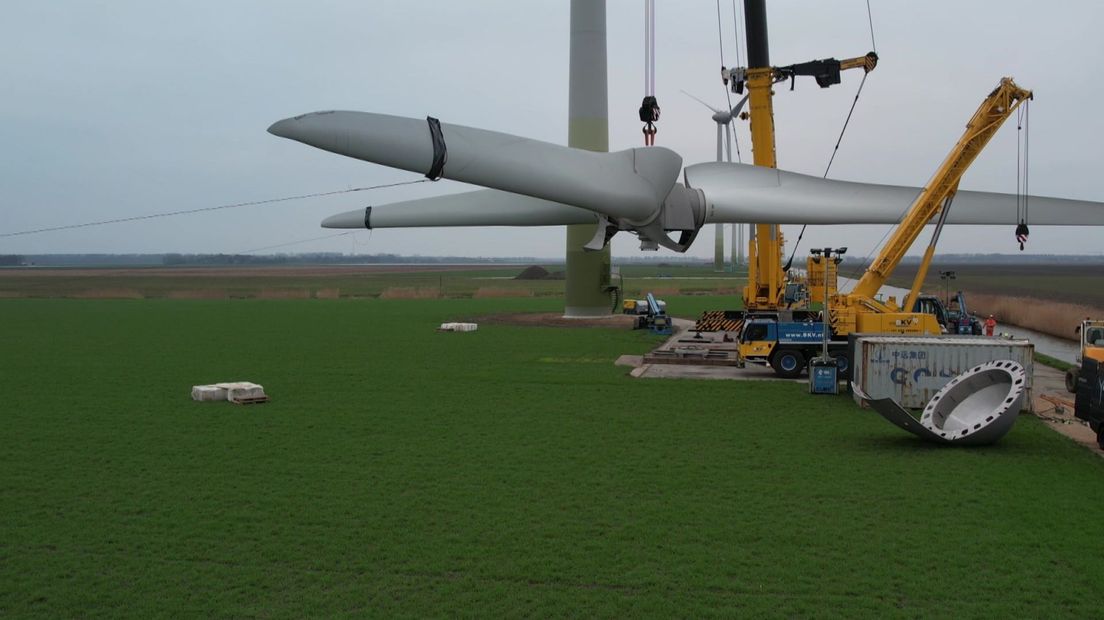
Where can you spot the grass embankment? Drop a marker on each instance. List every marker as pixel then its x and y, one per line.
pixel 510 471
pixel 1047 360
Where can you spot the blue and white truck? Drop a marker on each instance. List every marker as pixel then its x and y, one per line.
pixel 788 345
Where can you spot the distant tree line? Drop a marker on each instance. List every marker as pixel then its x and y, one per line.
pixel 332 258
pixel 324 258
pixel 1010 259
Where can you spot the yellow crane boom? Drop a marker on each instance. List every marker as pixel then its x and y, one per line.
pixel 766 272
pixel 933 200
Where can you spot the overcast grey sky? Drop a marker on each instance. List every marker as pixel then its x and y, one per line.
pixel 123 108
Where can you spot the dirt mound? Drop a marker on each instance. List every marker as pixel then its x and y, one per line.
pixel 555 319
pixel 533 272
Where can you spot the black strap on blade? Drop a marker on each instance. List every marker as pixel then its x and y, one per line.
pixel 368 217
pixel 440 152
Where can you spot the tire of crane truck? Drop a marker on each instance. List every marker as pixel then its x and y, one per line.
pixel 788 363
pixel 1100 437
pixel 1071 380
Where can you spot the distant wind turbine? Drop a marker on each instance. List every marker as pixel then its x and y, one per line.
pixel 723 118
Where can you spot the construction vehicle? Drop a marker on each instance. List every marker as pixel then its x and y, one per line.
pixel 786 344
pixel 1089 402
pixel 650 314
pixel 945 316
pixel 958 318
pixel 859 310
pixel 767 277
pixel 1091 347
pixel 640 307
pixel 784 341
pixel 821 281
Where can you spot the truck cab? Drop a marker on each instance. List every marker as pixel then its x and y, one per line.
pixel 786 346
pixel 929 304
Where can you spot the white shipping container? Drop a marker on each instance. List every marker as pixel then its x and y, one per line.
pixel 911 369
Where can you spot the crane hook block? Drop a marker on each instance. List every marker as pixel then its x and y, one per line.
pixel 649 114
pixel 1021 234
pixel 649 110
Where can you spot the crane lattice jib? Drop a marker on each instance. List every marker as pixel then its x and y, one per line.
pixel 994 110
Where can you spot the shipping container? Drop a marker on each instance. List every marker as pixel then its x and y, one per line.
pixel 911 369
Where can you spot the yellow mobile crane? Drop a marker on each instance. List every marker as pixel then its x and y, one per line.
pixel 858 310
pixel 766 284
pixel 788 343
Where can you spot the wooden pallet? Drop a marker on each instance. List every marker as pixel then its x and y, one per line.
pixel 258 400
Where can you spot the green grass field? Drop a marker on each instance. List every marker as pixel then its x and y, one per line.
pixel 349 281
pixel 513 471
pixel 1078 284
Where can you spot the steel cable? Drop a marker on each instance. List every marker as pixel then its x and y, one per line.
pixel 252 203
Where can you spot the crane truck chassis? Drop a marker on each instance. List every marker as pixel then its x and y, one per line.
pixel 787 345
pixel 786 340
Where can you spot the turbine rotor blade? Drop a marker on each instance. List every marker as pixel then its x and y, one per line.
pixel 715 110
pixel 487 207
pixel 745 193
pixel 629 185
pixel 739 106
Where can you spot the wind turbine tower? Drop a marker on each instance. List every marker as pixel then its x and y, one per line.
pixel 587 277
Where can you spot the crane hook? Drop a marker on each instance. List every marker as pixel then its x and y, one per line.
pixel 649 114
pixel 1021 234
